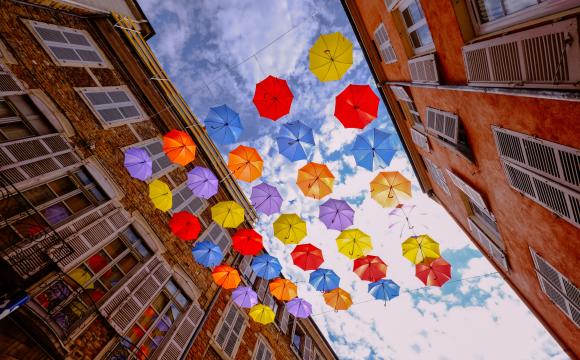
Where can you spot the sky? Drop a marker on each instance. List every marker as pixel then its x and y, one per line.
pixel 215 52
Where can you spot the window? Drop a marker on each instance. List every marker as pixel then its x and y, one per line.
pixel 384 45
pixel 229 333
pixel 416 26
pixel 114 106
pixel 218 236
pixel 161 163
pixel 19 119
pixel 420 140
pixel 262 351
pixel 437 175
pixel 282 318
pixel 483 217
pixel 447 128
pixel 489 244
pixel 184 200
pixel 301 342
pixel 424 69
pixel 470 193
pixel 8 84
pixel 248 275
pixel 407 105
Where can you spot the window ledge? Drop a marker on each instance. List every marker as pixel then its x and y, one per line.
pixel 492 235
pixel 452 147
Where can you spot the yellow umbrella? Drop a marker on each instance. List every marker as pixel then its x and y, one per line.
pixel 417 248
pixel 160 194
pixel 338 299
pixel 330 56
pixel 82 276
pixel 283 289
pixel 262 314
pixel 290 228
pixel 354 243
pixel 228 214
pixel 390 188
pixel 315 180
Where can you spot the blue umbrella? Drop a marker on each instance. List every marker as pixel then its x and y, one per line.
pixel 207 253
pixel 324 279
pixel 384 289
pixel 266 266
pixel 295 141
pixel 223 124
pixel 373 149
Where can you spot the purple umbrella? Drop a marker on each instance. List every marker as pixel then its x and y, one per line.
pixel 266 199
pixel 299 307
pixel 336 214
pixel 245 297
pixel 202 182
pixel 138 163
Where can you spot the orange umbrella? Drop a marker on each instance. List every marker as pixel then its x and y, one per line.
pixel 315 180
pixel 226 276
pixel 283 289
pixel 338 299
pixel 245 163
pixel 390 188
pixel 179 147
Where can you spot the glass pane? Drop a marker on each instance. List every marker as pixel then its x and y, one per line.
pixel 412 14
pixel 115 248
pixel 513 6
pixel 84 177
pixel 142 249
pixel 39 195
pixel 172 314
pixel 111 277
pixel 6 110
pixel 56 213
pixel 131 235
pixel 57 292
pixel 81 275
pixel 182 300
pixel 421 37
pixel 98 194
pixel 147 349
pixel 15 130
pixel 148 317
pixel 98 262
pixel 96 291
pixel 63 186
pixel 171 287
pixel 30 226
pixel 160 302
pixel 12 206
pixel 127 263
pixel 78 202
pixel 161 328
pixel 8 237
pixel 135 334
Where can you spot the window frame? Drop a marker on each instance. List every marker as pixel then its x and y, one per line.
pixel 262 341
pixel 83 91
pixel 19 117
pixel 385 46
pixel 239 313
pixel 154 157
pixel 421 50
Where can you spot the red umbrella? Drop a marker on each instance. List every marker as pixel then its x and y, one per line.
pixel 356 106
pixel 307 257
pixel 247 242
pixel 433 272
pixel 185 226
pixel 370 268
pixel 273 98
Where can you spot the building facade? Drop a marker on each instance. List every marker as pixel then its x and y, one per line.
pixel 89 269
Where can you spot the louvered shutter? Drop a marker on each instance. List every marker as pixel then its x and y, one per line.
pixel 112 104
pixel 384 45
pixel 175 345
pixel 154 148
pixel 307 355
pixel 260 350
pixel 400 93
pixel 231 331
pixel 262 288
pixel 443 123
pixel 283 319
pixel 185 200
pixel 470 193
pixel 437 175
pixel 420 140
pixel 8 84
pixel 424 69
pixel 496 253
pixel 246 270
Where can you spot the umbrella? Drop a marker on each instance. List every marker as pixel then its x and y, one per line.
pixel 202 182
pixel 266 199
pixel 330 56
pixel 315 180
pixel 273 98
pixel 417 248
pixel 262 314
pixel 82 276
pixel 324 279
pixel 295 141
pixel 307 257
pixel 56 213
pixel 336 214
pixel 185 226
pixel 283 289
pixel 138 163
pixel 373 149
pixel 245 163
pixel 160 194
pixel 356 106
pixel 223 124
pixel 245 296
pixel 247 242
pixel 390 188
pixel 228 214
pixel 433 272
pixel 338 299
pixel 179 147
pixel 354 243
pixel 370 268
pixel 266 266
pixel 384 289
pixel 298 307
pixel 290 228
pixel 226 276
pixel 207 253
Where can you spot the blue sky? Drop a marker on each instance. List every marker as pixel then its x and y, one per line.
pixel 216 51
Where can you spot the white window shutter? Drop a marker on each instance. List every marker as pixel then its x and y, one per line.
pixel 246 269
pixel 283 323
pixel 307 348
pixel 226 325
pixel 471 193
pixel 384 46
pixel 8 83
pixel 424 69
pixel 400 93
pixel 176 344
pixel 443 123
pixel 496 253
pixel 420 140
pixel 113 104
pixel 231 345
pixel 437 175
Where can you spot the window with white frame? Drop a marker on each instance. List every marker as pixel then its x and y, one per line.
pixel 113 105
pixel 248 274
pixel 218 236
pixel 446 127
pixel 437 175
pixel 20 118
pixel 416 26
pixel 184 200
pixel 282 318
pixel 9 85
pixel 262 351
pixel 161 163
pixel 407 105
pixel 229 332
pixel 384 45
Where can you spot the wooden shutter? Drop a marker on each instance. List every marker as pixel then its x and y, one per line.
pixel 8 84
pixel 470 193
pixel 283 319
pixel 112 104
pixel 231 330
pixel 545 56
pixel 246 270
pixel 424 69
pixel 557 162
pixel 175 345
pixel 262 289
pixel 400 93
pixel 420 140
pixel 262 351
pixel 443 123
pixel 384 45
pixel 493 250
pixel 437 175
pixel 307 355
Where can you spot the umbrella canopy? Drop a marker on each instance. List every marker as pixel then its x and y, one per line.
pixel 354 243
pixel 330 56
pixel 273 98
pixel 324 279
pixel 307 257
pixel 207 253
pixel 179 147
pixel 338 299
pixel 290 228
pixel 356 106
pixel 223 124
pixel 373 149
pixel 315 180
pixel 384 289
pixel 283 289
pixel 417 248
pixel 228 214
pixel 245 297
pixel 245 163
pixel 138 163
pixel 202 182
pixel 247 242
pixel 226 276
pixel 433 272
pixel 262 314
pixel 299 307
pixel 390 188
pixel 185 226
pixel 266 266
pixel 336 214
pixel 266 199
pixel 370 268
pixel 295 141
pixel 160 195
